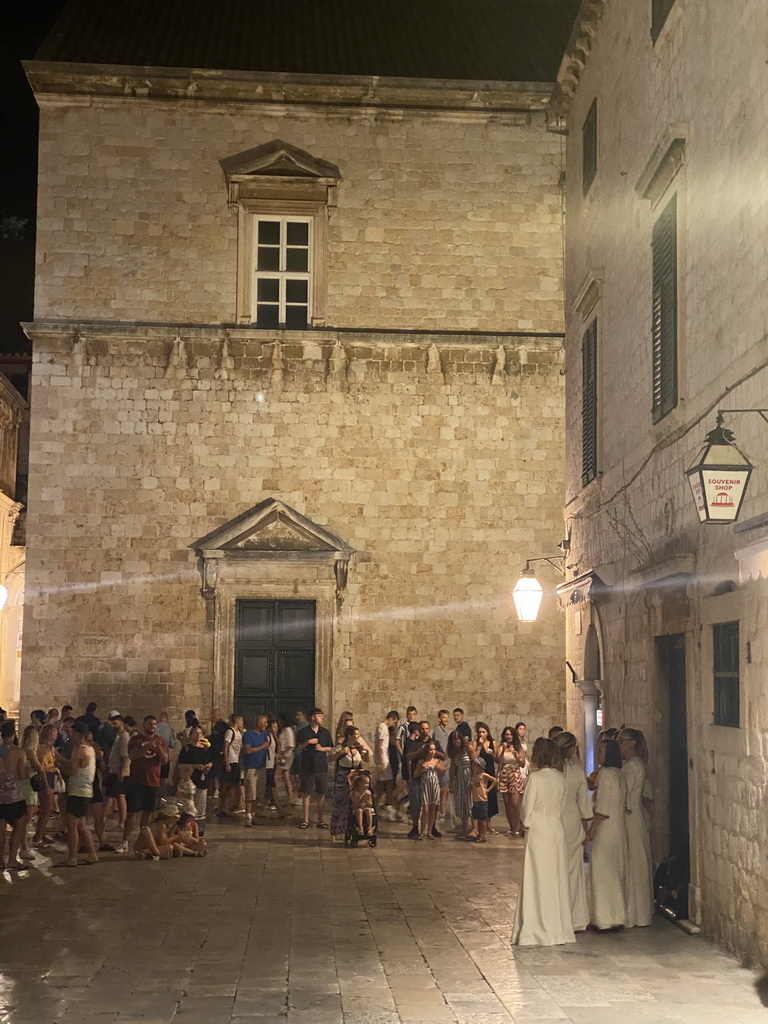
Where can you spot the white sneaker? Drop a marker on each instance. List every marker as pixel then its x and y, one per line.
pixel 26 855
pixel 121 848
pixel 248 820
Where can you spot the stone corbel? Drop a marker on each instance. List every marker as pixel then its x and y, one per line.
pixel 15 511
pixel 209 573
pixel 341 572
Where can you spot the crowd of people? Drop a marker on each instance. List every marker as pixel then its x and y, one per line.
pixel 587 860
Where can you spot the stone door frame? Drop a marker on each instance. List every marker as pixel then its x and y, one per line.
pixel 272 553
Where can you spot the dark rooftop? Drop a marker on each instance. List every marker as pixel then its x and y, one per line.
pixel 482 40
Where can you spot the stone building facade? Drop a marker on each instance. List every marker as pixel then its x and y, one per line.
pixel 13 422
pixel 651 593
pixel 380 472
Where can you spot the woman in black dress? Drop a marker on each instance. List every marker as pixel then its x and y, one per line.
pixel 349 755
pixel 197 752
pixel 485 750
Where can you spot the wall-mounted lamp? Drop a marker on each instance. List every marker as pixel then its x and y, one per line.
pixel 720 474
pixel 528 592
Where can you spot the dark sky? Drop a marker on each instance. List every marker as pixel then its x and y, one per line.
pixel 23 26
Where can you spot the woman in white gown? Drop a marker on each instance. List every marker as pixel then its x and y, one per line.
pixel 576 819
pixel 639 880
pixel 543 913
pixel 607 862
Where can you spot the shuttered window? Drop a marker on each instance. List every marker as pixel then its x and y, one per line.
pixel 665 312
pixel 659 11
pixel 589 404
pixel 725 658
pixel 589 147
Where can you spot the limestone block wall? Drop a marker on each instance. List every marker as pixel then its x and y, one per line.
pixel 440 459
pixel 639 512
pixel 447 221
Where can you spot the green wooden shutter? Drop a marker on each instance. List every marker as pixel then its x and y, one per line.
pixel 659 11
pixel 589 404
pixel 665 312
pixel 589 147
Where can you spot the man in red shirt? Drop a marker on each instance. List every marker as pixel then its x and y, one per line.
pixel 147 753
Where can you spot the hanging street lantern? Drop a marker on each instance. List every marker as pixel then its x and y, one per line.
pixel 528 592
pixel 527 595
pixel 719 476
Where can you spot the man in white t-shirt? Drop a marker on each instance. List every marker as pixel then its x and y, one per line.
pixel 231 776
pixel 386 782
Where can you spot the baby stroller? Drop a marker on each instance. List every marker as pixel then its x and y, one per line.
pixel 353 836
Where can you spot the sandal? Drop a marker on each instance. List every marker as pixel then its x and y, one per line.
pixel 304 824
pixel 322 824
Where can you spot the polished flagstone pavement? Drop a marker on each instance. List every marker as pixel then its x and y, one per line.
pixel 279 925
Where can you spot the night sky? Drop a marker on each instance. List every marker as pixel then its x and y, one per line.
pixel 24 26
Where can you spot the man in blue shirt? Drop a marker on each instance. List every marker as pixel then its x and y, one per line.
pixel 255 747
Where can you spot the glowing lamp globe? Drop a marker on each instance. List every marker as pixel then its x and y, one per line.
pixel 719 477
pixel 3 596
pixel 527 596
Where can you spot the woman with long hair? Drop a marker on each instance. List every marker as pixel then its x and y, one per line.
pixel 543 913
pixel 460 780
pixel 286 741
pixel 45 755
pixel 511 760
pixel 639 880
pixel 30 741
pixel 349 755
pixel 345 718
pixel 485 750
pixel 576 819
pixel 428 768
pixel 521 729
pixel 607 833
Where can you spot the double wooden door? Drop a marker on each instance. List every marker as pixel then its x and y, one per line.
pixel 274 657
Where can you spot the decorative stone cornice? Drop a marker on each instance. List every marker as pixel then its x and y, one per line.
pixel 79 84
pixel 577 53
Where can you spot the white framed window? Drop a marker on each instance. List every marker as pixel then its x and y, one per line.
pixel 282 261
pixel 281 264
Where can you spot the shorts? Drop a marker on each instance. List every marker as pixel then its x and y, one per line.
pixel 255 784
pixel 165 770
pixel 140 798
pixel 77 806
pixel 233 776
pixel 98 796
pixel 385 774
pixel 511 779
pixel 114 785
pixel 13 812
pixel 314 782
pixel 414 797
pixel 480 810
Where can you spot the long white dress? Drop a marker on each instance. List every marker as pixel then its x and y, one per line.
pixel 639 878
pixel 578 808
pixel 543 913
pixel 607 862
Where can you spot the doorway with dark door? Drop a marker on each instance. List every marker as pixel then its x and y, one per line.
pixel 673 890
pixel 274 657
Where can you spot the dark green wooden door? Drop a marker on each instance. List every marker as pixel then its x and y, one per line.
pixel 274 657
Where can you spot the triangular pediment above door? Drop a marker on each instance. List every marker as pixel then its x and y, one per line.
pixel 271 528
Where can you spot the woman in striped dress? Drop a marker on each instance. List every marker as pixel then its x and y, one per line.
pixel 460 761
pixel 429 767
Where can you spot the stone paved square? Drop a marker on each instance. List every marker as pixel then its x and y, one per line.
pixel 279 925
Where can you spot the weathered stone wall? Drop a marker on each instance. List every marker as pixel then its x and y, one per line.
pixel 441 464
pixel 636 524
pixel 444 221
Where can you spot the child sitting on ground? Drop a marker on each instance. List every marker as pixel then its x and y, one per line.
pixel 154 841
pixel 482 783
pixel 362 802
pixel 186 837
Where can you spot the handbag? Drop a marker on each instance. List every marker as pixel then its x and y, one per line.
pixel 58 786
pixel 37 783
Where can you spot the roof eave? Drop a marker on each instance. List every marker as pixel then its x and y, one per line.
pixel 62 82
pixel 577 53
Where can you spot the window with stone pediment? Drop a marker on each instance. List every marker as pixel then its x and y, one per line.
pixel 282 197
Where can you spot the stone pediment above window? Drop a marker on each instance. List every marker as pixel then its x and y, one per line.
pixel 279 170
pixel 271 531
